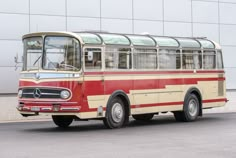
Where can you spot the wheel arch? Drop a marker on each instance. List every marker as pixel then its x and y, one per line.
pixel 197 92
pixel 123 96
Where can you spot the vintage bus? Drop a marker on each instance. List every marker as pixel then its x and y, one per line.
pixel 110 77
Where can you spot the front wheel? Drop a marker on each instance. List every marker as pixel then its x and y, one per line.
pixel 190 111
pixel 62 121
pixel 115 114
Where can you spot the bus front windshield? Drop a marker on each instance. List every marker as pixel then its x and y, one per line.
pixel 58 53
pixel 33 49
pixel 61 54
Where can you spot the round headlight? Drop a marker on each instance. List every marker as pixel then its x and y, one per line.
pixel 20 92
pixel 65 94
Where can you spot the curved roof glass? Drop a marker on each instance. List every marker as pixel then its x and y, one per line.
pixel 188 43
pixel 89 38
pixel 114 39
pixel 141 40
pixel 166 42
pixel 206 43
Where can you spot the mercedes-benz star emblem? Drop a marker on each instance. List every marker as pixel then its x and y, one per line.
pixel 37 76
pixel 37 93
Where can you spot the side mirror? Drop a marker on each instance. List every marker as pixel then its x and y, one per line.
pixel 16 61
pixel 16 58
pixel 90 56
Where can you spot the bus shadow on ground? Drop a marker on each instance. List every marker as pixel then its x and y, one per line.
pixel 94 126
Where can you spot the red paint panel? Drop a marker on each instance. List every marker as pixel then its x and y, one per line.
pixel 113 85
pixel 153 72
pixel 215 100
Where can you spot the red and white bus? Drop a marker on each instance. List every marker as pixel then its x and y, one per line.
pixel 88 75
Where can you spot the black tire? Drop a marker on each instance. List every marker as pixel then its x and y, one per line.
pixel 115 114
pixel 178 116
pixel 191 109
pixel 62 121
pixel 143 117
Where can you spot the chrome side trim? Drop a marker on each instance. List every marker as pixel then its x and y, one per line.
pixel 48 75
pixel 70 109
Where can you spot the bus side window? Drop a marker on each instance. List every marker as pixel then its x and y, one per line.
pixel 197 59
pixel 187 59
pixel 93 62
pixel 145 58
pixel 118 58
pixel 169 59
pixel 219 60
pixel 209 60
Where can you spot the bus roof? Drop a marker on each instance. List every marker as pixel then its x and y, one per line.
pixel 90 37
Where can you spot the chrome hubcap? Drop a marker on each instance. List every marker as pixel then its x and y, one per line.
pixel 117 112
pixel 193 108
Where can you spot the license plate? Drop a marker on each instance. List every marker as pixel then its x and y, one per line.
pixel 35 108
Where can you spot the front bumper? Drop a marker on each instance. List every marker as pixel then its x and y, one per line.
pixel 36 107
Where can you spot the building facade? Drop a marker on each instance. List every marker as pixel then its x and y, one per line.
pixel 214 19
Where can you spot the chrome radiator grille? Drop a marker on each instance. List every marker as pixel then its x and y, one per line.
pixel 42 93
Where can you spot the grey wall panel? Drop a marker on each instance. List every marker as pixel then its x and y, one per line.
pixel 47 23
pixel 83 24
pixel 228 56
pixel 227 13
pixel 88 8
pixel 228 34
pixel 211 31
pixel 148 9
pixel 117 25
pixel 177 10
pixel 9 49
pixel 177 29
pixel 230 1
pixel 116 9
pixel 207 0
pixel 9 80
pixel 204 11
pixel 13 26
pixel 230 78
pixel 14 6
pixel 48 7
pixel 151 27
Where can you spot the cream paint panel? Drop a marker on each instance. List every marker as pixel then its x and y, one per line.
pixel 209 88
pixel 156 109
pixel 142 77
pixel 209 105
pixel 97 100
pixel 147 98
pixel 82 115
pixel 88 115
pixel 170 97
pixel 52 80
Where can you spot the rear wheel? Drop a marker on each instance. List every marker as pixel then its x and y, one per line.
pixel 62 121
pixel 143 117
pixel 191 109
pixel 115 114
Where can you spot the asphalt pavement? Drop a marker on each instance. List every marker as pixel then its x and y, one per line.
pixel 212 136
